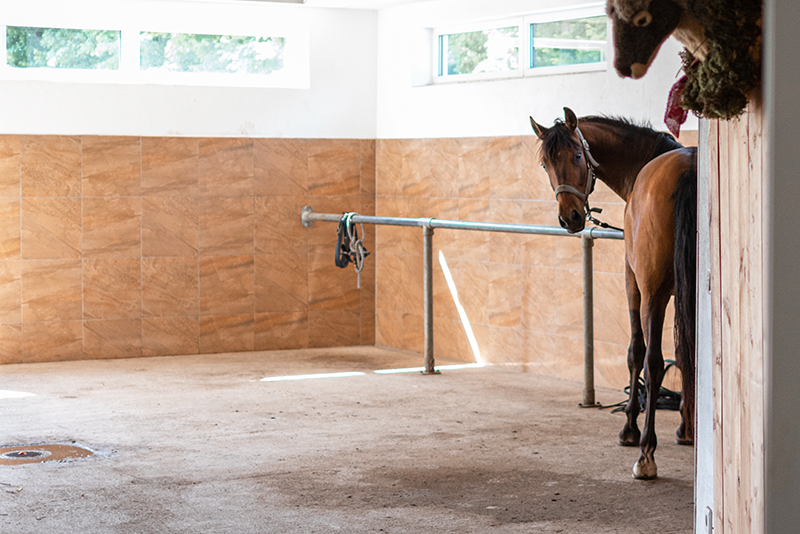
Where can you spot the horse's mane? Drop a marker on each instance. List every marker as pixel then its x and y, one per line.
pixel 560 136
pixel 664 141
pixel 620 122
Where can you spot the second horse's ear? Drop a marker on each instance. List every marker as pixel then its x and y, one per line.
pixel 570 119
pixel 538 129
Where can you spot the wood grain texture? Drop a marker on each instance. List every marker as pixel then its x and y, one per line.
pixel 737 285
pixel 716 320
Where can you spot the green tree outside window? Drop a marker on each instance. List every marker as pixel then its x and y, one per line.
pixel 493 50
pixel 588 34
pixel 62 48
pixel 184 52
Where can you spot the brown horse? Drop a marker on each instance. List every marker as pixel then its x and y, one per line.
pixel 656 177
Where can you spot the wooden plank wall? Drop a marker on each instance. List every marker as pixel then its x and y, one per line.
pixel 737 293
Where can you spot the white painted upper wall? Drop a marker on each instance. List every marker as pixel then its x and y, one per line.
pixel 500 107
pixel 363 66
pixel 340 103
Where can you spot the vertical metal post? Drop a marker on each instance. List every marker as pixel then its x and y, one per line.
pixel 588 323
pixel 427 274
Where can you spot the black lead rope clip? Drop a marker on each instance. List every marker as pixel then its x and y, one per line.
pixel 342 258
pixel 596 221
pixel 349 248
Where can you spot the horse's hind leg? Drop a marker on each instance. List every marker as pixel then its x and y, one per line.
pixel 629 435
pixel 685 433
pixel 653 321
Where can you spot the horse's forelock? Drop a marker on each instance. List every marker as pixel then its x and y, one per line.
pixel 557 138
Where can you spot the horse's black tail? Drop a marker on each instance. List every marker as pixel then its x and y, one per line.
pixel 685 199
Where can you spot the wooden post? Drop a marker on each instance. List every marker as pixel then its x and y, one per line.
pixel 737 288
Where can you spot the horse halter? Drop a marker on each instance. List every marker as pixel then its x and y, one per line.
pixel 591 177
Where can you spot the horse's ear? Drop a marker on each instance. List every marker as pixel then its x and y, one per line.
pixel 570 119
pixel 538 129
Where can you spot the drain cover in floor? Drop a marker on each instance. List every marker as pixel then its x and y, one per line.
pixel 29 454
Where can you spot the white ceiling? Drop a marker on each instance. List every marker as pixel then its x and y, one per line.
pixel 360 4
pixel 342 4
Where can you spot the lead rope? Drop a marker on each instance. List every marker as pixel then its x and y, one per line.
pixel 597 222
pixel 666 400
pixel 349 248
pixel 591 163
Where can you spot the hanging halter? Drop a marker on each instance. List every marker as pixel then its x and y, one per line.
pixel 349 248
pixel 591 178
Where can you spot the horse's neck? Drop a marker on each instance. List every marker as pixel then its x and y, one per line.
pixel 620 158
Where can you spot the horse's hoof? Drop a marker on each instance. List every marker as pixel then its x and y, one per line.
pixel 681 438
pixel 629 438
pixel 645 470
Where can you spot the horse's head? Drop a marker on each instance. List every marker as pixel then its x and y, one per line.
pixel 640 27
pixel 564 160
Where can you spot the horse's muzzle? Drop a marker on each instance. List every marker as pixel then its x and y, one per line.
pixel 574 223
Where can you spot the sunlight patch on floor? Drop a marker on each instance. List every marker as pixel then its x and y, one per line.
pixel 7 394
pixel 438 368
pixel 473 343
pixel 311 377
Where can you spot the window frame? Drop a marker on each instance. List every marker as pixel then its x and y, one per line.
pixel 440 50
pixel 4 49
pixel 294 75
pixel 524 23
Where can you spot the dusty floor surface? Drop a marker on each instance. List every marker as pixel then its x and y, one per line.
pixel 199 444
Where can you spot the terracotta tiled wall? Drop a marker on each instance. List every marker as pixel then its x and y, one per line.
pixel 128 246
pixel 522 294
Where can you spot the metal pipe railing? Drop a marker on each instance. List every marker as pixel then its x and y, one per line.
pixel 587 243
pixel 427 298
pixel 307 216
pixel 588 235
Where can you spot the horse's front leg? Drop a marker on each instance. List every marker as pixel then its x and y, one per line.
pixel 646 468
pixel 629 435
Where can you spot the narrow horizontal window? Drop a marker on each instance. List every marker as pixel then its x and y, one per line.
pixel 237 52
pixel 494 50
pixel 218 54
pixel 568 42
pixel 62 48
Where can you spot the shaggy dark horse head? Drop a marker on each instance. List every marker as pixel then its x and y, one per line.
pixel 641 26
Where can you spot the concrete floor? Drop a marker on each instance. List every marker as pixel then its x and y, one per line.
pixel 199 444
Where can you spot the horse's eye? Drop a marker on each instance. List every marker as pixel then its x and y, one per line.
pixel 544 166
pixel 578 155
